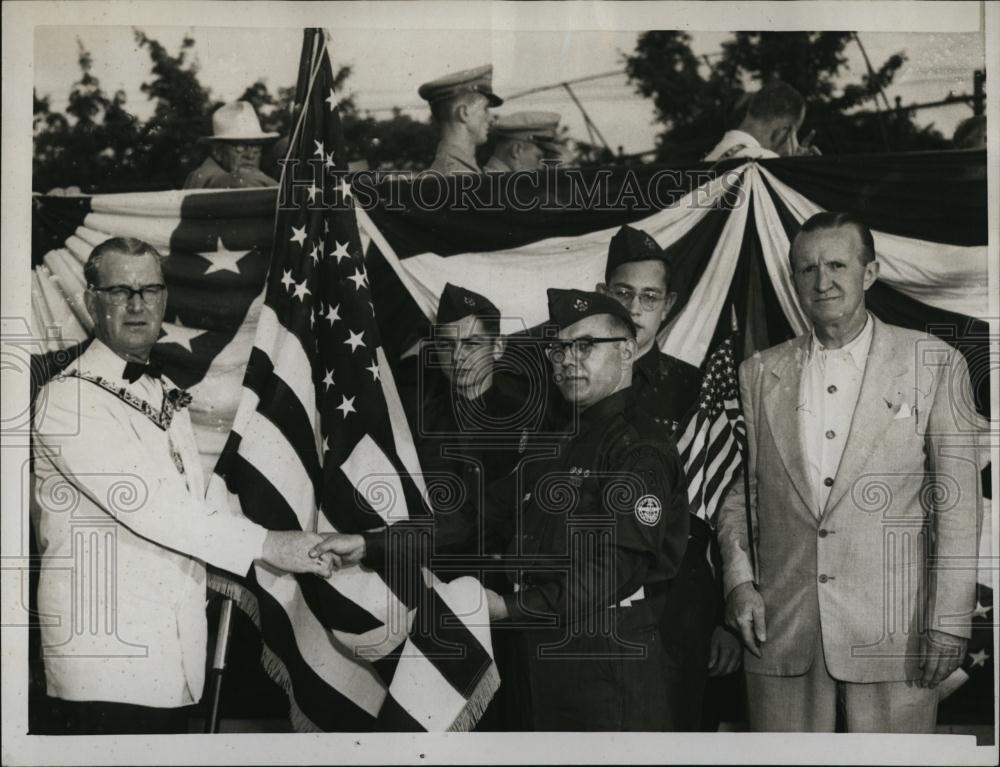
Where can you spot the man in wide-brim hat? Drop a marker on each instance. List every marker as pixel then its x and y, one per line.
pixel 235 151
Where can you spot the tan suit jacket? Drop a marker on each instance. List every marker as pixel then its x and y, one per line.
pixel 906 496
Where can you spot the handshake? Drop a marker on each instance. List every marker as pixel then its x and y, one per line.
pixel 296 551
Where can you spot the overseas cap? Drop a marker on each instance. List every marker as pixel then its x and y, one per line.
pixel 478 80
pixel 630 245
pixel 457 302
pixel 569 306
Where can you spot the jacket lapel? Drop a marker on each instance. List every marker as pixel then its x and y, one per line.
pixel 877 404
pixel 781 405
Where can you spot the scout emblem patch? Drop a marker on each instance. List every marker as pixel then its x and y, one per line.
pixel 581 305
pixel 648 510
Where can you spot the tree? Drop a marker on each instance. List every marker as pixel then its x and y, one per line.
pixel 698 99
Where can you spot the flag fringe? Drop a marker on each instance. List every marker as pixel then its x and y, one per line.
pixel 476 705
pixel 275 668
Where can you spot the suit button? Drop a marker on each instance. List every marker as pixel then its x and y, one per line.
pixel 832 389
pixel 823 533
pixel 828 481
pixel 823 579
pixel 831 434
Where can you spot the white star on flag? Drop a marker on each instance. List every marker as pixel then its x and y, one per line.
pixel 373 369
pixel 979 658
pixel 982 611
pixel 298 234
pixel 313 190
pixel 346 406
pixel 332 99
pixel 175 333
pixel 301 291
pixel 328 380
pixel 286 279
pixel 329 164
pixel 319 149
pixel 355 340
pixel 359 278
pixel 316 253
pixel 340 251
pixel 223 260
pixel 345 189
pixel 333 314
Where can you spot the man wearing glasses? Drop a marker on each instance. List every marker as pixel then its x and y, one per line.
pixel 124 527
pixel 666 388
pixel 598 529
pixel 235 151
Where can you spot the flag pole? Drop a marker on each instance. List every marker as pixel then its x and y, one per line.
pixel 218 666
pixel 751 545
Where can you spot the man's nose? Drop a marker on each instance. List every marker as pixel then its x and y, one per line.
pixel 135 303
pixel 823 280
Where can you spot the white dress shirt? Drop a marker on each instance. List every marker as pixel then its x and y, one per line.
pixel 831 382
pixel 737 143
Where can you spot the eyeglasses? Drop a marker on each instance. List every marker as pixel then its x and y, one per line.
pixel 648 301
pixel 581 347
pixel 119 295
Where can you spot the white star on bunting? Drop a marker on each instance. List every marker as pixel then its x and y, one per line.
pixel 359 278
pixel 223 260
pixel 286 279
pixel 979 658
pixel 373 369
pixel 332 99
pixel 982 611
pixel 329 164
pixel 333 314
pixel 175 333
pixel 320 151
pixel 298 234
pixel 328 380
pixel 313 190
pixel 345 189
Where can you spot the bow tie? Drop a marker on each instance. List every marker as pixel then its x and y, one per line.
pixel 134 370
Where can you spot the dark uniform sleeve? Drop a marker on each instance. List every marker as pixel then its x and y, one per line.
pixel 641 495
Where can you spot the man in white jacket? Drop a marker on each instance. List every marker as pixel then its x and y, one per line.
pixel 124 527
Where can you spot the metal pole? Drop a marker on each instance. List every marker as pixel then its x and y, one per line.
pixel 586 117
pixel 218 666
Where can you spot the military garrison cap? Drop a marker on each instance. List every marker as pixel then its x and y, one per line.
pixel 537 127
pixel 569 306
pixel 630 244
pixel 457 302
pixel 478 80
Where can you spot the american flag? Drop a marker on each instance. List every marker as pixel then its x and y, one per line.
pixel 712 438
pixel 320 443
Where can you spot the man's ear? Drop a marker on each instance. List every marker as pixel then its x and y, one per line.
pixel 871 274
pixel 461 113
pixel 668 303
pixel 90 301
pixel 628 349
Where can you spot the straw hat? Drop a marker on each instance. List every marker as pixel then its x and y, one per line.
pixel 237 121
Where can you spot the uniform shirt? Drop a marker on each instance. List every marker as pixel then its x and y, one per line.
pixel 496 165
pixel 831 382
pixel 211 175
pixel 737 143
pixel 123 531
pixel 451 158
pixel 666 388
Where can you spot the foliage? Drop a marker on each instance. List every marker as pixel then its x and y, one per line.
pixel 698 99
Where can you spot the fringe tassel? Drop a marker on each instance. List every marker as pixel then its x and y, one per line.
pixel 476 705
pixel 272 664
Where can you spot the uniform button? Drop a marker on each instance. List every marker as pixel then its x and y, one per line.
pixel 831 434
pixel 832 389
pixel 823 533
pixel 823 579
pixel 828 481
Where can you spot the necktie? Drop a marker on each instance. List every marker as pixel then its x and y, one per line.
pixel 134 370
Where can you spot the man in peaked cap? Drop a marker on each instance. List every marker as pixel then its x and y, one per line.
pixel 638 276
pixel 524 139
pixel 460 105
pixel 235 151
pixel 610 489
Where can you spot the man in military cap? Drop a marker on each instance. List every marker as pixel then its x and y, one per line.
pixel 600 528
pixel 666 388
pixel 523 141
pixel 235 151
pixel 460 105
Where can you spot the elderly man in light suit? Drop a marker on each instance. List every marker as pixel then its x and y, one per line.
pixel 124 527
pixel 865 500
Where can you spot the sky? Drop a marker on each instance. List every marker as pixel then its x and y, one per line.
pixel 389 64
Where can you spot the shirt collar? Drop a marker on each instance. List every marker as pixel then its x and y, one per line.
pixel 100 360
pixel 734 137
pixel 458 152
pixel 857 347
